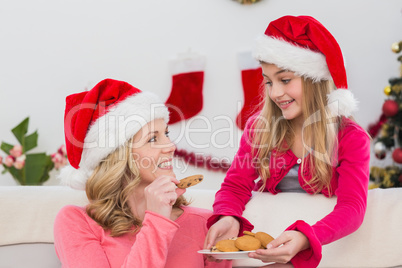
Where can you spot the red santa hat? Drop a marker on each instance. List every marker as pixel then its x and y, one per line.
pixel 99 121
pixel 303 45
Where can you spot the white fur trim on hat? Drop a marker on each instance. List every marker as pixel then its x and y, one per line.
pixel 341 102
pixel 302 61
pixel 111 131
pixel 75 178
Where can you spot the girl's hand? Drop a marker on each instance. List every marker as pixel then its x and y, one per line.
pixel 161 195
pixel 226 227
pixel 283 248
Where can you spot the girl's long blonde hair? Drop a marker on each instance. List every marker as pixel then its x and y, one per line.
pixel 319 135
pixel 108 191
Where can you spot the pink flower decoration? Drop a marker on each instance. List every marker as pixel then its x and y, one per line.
pixel 19 165
pixel 20 162
pixel 63 150
pixel 1 160
pixel 16 151
pixel 9 161
pixel 59 159
pixel 57 166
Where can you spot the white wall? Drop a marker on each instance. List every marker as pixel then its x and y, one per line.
pixel 50 49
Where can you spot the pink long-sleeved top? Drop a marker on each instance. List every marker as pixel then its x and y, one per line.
pixel 161 242
pixel 349 183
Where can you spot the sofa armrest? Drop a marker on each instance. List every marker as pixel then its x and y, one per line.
pixel 27 213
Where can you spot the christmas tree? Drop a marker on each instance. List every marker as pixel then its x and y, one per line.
pixel 388 133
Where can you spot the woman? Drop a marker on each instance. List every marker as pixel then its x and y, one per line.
pixel 121 155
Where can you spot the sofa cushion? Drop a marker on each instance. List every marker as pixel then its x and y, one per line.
pixel 27 213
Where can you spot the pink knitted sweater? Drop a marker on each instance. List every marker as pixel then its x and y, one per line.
pixel 81 242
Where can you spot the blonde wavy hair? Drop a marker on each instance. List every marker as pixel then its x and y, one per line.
pixel 319 135
pixel 108 191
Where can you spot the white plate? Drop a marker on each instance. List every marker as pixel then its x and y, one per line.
pixel 226 255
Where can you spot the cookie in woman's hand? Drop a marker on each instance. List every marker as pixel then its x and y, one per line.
pixel 190 181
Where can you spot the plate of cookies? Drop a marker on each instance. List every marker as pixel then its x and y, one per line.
pixel 238 247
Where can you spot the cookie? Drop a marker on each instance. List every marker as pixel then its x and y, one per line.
pixel 264 238
pixel 227 245
pixel 190 181
pixel 247 243
pixel 248 233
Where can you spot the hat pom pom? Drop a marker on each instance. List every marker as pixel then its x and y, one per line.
pixel 74 178
pixel 341 102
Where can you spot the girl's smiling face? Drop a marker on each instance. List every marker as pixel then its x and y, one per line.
pixel 284 89
pixel 153 151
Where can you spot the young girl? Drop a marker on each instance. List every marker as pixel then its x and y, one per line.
pixel 120 154
pixel 303 140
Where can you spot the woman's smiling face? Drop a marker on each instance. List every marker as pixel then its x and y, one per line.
pixel 285 90
pixel 153 151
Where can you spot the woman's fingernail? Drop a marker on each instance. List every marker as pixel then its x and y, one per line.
pixel 269 246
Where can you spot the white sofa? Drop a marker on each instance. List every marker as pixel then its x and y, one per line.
pixel 27 214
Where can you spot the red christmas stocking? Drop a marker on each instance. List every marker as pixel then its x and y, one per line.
pixel 186 98
pixel 253 88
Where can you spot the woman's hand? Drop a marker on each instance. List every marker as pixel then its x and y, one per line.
pixel 161 195
pixel 283 248
pixel 226 227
